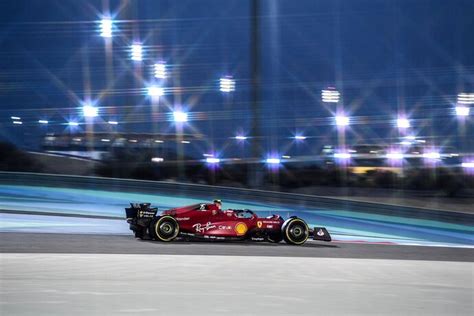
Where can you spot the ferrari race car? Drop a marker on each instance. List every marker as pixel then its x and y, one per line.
pixel 208 222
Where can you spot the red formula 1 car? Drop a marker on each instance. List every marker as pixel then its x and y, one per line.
pixel 207 221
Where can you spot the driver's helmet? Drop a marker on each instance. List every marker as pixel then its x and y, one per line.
pixel 218 203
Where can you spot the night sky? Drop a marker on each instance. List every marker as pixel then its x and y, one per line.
pixel 385 57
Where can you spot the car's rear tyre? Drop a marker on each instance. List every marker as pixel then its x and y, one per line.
pixel 295 231
pixel 140 233
pixel 164 228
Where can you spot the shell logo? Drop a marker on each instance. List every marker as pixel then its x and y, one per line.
pixel 259 224
pixel 240 228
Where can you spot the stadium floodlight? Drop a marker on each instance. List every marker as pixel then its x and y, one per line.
pixel 431 155
pixel 106 25
pixel 462 110
pixel 159 70
pixel 241 137
pixel 155 91
pixel 227 84
pixel 105 140
pixel 273 161
pixel 137 52
pixel 403 123
pixel 179 116
pixel 468 165
pixel 394 155
pixel 342 120
pixel 16 118
pixel 330 96
pixel 72 123
pixel 466 98
pixel 113 122
pixel 300 137
pixel 90 111
pixel 17 122
pixel 212 160
pixel 43 122
pixel 342 155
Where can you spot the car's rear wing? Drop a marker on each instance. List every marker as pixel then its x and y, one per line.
pixel 140 210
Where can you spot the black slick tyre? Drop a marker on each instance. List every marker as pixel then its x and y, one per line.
pixel 164 228
pixel 295 231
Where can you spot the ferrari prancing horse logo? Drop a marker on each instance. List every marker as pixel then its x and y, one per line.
pixel 259 224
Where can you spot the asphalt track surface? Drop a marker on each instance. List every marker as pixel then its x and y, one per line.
pixel 127 244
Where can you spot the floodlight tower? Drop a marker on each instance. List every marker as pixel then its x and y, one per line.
pixel 106 26
pixel 462 106
pixel 330 95
pixel 227 84
pixel 159 70
pixel 462 109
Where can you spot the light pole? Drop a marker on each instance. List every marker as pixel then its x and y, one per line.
pixel 256 173
pixel 89 112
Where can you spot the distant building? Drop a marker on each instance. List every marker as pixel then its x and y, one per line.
pixel 99 145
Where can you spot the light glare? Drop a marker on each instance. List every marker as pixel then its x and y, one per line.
pixel 462 110
pixel 43 122
pixel 179 116
pixel 394 155
pixel 90 111
pixel 403 123
pixel 431 155
pixel 273 161
pixel 157 159
pixel 342 155
pixel 212 160
pixel 342 120
pixel 155 91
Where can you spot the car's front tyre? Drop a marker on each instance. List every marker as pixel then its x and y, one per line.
pixel 295 231
pixel 164 228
